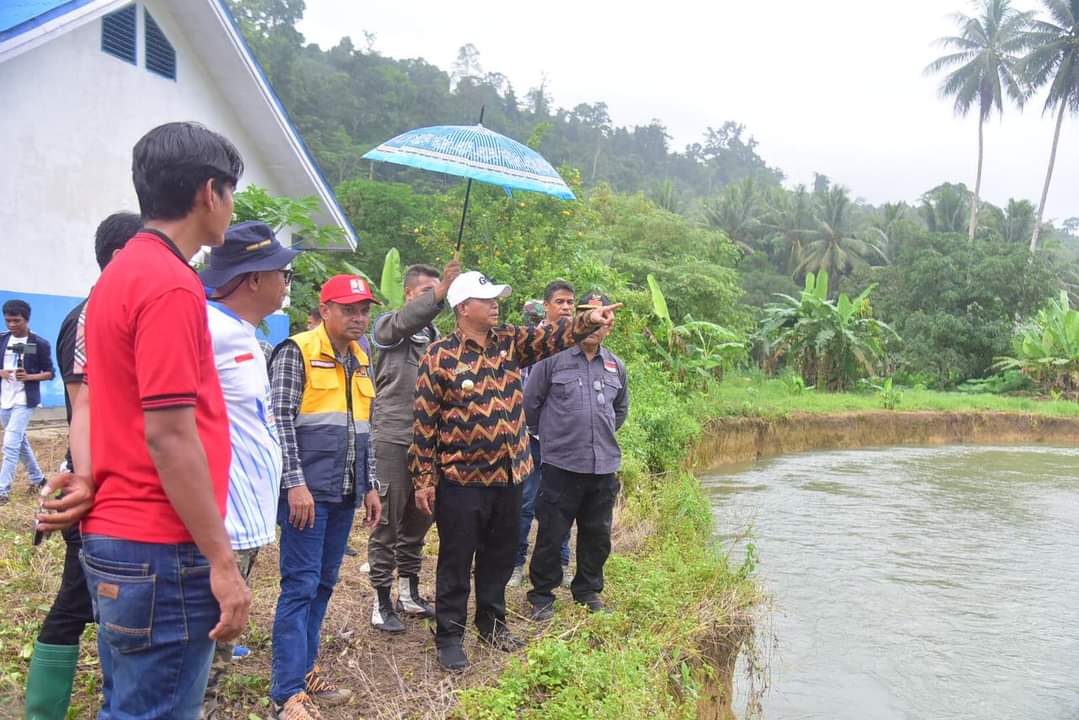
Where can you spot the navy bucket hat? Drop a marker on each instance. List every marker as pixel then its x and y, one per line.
pixel 249 247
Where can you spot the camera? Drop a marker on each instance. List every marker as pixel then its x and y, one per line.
pixel 20 350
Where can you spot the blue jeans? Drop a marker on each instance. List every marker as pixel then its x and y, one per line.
pixel 528 507
pixel 17 447
pixel 154 610
pixel 310 560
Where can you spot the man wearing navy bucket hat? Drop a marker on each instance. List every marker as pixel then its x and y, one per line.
pixel 249 279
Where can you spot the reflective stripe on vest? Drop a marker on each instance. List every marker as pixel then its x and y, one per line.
pixel 324 400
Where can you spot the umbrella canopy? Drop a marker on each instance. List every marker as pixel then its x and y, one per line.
pixel 476 153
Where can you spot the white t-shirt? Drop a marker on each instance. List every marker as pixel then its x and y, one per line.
pixel 12 392
pixel 255 472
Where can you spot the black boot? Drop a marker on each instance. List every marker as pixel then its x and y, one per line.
pixel 382 616
pixel 452 657
pixel 409 600
pixel 500 638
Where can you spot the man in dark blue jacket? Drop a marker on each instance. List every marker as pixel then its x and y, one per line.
pixel 25 360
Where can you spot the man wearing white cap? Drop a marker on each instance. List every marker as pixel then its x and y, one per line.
pixel 470 448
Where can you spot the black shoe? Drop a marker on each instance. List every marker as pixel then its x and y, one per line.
pixel 35 488
pixel 350 551
pixel 502 639
pixel 594 604
pixel 383 616
pixel 453 658
pixel 409 600
pixel 4 499
pixel 542 612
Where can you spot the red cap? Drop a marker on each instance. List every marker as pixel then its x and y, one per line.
pixel 346 289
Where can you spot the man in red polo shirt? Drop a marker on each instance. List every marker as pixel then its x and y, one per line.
pixel 158 562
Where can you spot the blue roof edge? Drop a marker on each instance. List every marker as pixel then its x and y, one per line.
pixel 38 20
pixel 238 32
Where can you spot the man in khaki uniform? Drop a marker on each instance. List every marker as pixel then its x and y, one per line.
pixel 401 337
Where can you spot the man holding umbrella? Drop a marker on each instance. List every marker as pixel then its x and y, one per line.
pixel 470 450
pixel 401 337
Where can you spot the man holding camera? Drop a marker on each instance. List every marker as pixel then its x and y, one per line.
pixel 25 360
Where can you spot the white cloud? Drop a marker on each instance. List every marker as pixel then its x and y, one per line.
pixel 834 86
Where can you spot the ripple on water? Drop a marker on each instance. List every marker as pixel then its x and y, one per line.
pixel 917 582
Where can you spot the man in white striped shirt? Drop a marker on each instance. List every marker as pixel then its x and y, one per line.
pixel 247 281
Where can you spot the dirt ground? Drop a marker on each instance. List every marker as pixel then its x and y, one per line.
pixel 390 676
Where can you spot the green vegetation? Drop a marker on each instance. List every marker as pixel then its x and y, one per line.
pixel 832 344
pixel 754 394
pixel 1047 348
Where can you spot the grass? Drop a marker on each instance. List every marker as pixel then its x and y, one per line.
pixel 669 584
pixel 754 395
pixel 674 592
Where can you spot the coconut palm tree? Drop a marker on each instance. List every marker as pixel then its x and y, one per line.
pixel 833 245
pixel 944 207
pixel 1054 60
pixel 788 220
pixel 736 212
pixel 984 64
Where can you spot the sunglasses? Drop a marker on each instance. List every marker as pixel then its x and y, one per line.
pixel 287 273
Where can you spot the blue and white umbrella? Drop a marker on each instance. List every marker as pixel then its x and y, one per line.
pixel 476 153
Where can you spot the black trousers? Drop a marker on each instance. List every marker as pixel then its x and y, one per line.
pixel 565 497
pixel 72 610
pixel 478 522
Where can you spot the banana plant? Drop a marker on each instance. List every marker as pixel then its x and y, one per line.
pixel 392 284
pixel 1047 348
pixel 831 344
pixel 696 349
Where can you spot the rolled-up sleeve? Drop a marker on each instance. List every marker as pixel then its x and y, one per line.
pixel 286 394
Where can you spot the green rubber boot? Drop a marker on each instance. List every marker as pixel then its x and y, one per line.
pixel 48 684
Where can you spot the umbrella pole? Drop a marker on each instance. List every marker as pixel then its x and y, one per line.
pixel 464 212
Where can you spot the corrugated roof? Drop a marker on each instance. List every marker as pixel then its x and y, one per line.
pixel 17 16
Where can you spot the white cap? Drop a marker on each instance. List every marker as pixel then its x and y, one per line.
pixel 474 284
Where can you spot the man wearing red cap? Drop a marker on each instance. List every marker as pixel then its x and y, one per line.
pixel 322 392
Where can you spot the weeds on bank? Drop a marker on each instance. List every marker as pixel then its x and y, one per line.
pixel 641 660
pixel 752 394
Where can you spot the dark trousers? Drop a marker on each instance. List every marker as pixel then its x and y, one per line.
pixel 397 542
pixel 528 506
pixel 72 609
pixel 565 497
pixel 478 522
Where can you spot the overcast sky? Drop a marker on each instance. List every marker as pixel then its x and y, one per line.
pixel 834 86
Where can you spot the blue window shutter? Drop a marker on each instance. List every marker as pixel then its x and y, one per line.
pixel 118 34
pixel 160 55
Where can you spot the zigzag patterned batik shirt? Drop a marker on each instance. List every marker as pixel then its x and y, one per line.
pixel 469 427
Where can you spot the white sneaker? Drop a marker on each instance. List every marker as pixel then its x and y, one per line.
pixel 517 577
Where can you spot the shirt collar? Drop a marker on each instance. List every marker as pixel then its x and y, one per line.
pixel 463 339
pixel 603 353
pixel 167 242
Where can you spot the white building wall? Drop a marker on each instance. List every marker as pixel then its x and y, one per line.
pixel 69 117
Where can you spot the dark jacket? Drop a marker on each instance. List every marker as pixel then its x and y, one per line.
pixel 401 337
pixel 36 362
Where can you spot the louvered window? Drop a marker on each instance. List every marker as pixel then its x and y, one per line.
pixel 160 55
pixel 118 34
